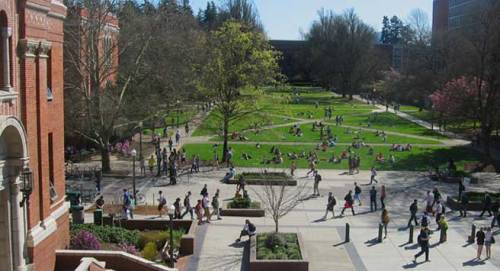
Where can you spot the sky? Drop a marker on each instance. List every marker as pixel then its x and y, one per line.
pixel 285 19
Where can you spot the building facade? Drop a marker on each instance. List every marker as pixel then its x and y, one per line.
pixel 32 134
pixel 457 14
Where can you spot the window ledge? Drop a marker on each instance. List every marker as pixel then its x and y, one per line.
pixel 7 94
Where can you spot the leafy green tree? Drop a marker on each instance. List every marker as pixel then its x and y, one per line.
pixel 342 54
pixel 238 58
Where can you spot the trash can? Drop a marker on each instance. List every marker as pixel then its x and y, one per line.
pixel 98 217
pixel 77 214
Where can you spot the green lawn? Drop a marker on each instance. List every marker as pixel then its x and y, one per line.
pixel 344 135
pixel 416 160
pixel 212 124
pixel 390 122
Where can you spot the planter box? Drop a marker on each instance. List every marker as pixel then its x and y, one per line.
pixel 471 206
pixel 265 178
pixel 243 212
pixel 277 265
pixel 187 240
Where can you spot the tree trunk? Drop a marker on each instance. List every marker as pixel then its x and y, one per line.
pixel 225 137
pixel 105 163
pixel 486 141
pixel 276 224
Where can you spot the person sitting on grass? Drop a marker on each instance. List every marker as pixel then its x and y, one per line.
pixel 292 156
pixel 249 230
pixel 370 151
pixel 257 146
pixel 246 156
pixel 344 155
pixel 380 158
pixel 408 147
pixel 243 138
pixel 299 132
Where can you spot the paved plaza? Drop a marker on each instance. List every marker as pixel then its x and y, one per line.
pixel 324 240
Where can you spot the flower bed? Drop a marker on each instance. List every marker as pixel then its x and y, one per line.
pixel 276 252
pixel 148 244
pixel 270 178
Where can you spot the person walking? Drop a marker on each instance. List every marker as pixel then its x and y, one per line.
pixel 436 196
pixel 424 221
pixel 187 206
pixel 464 201
pixel 151 164
pixel 373 174
pixel 206 207
pixel 443 226
pixel 162 201
pixel 357 193
pixel 489 239
pixel 423 242
pixel 486 204
pixel 215 205
pixel 317 179
pixel 383 194
pixel 177 137
pixel 293 167
pixel 199 211
pixel 496 214
pixel 204 191
pixel 461 188
pixel 373 199
pixel 439 213
pixel 349 203
pixel 480 236
pixel 330 206
pixel 177 208
pixel 428 202
pixel 385 221
pixel 413 213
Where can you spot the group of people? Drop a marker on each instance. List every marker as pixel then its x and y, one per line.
pixel 201 209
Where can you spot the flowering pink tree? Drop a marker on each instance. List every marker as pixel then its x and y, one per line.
pixel 456 101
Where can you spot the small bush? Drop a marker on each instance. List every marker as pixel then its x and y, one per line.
pixel 240 203
pixel 128 248
pixel 278 246
pixel 157 237
pixel 85 240
pixel 150 251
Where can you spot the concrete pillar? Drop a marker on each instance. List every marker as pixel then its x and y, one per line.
pixel 19 252
pixel 6 33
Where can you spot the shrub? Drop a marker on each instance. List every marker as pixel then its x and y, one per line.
pixel 278 246
pixel 85 240
pixel 108 234
pixel 275 240
pixel 128 248
pixel 157 237
pixel 150 251
pixel 240 203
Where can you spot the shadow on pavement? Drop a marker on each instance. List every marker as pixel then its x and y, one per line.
pixel 473 262
pixel 372 242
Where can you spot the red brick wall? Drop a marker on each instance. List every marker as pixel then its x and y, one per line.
pixel 43 254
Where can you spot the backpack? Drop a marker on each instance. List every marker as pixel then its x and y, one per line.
pixel 251 227
pixel 424 221
pixel 357 189
pixel 186 201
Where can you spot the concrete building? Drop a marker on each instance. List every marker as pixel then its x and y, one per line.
pixel 32 135
pixel 457 14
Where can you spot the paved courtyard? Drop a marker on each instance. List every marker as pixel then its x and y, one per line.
pixel 324 240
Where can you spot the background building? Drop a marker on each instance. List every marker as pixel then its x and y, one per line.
pixel 32 134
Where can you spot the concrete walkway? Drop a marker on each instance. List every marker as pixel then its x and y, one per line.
pixel 216 249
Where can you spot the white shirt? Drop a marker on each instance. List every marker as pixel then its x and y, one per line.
pixel 429 199
pixel 487 236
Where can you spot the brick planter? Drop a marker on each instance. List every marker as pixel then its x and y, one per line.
pixel 471 206
pixel 187 240
pixel 242 212
pixel 277 265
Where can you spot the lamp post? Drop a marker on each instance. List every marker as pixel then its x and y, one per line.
pixel 177 103
pixel 171 211
pixel 26 185
pixel 140 141
pixel 134 154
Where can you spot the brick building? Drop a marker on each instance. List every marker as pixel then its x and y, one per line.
pixel 32 134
